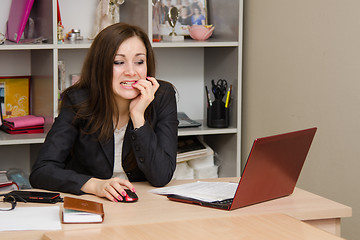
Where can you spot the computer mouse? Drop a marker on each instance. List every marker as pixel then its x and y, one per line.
pixel 130 196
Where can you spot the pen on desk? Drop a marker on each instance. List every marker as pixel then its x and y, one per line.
pixel 208 97
pixel 228 97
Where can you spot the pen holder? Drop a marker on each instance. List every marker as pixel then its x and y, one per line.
pixel 218 115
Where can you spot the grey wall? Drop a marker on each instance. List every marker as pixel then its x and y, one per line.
pixel 302 69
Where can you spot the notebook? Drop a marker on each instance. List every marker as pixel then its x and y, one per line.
pixel 18 17
pixel 272 170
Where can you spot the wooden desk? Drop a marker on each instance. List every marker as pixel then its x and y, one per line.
pixel 152 208
pixel 256 227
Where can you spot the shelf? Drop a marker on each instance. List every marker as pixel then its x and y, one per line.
pixel 189 65
pixel 14 46
pixel 192 43
pixel 85 44
pixel 15 139
pixel 204 130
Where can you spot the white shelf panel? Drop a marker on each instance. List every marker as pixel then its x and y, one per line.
pixel 14 46
pixel 204 130
pixel 14 139
pixel 193 43
pixel 84 44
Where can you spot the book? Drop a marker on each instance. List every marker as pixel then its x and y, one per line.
pixel 189 144
pixel 77 210
pixel 190 147
pixel 15 100
pixel 18 17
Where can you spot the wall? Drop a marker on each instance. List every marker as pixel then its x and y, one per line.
pixel 302 69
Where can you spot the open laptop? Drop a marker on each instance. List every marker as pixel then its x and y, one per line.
pixel 272 170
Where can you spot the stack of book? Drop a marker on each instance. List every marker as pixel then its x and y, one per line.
pixel 5 184
pixel 195 159
pixel 23 124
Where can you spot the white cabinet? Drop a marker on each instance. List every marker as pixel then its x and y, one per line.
pixel 189 65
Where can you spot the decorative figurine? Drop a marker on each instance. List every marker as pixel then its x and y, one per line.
pixel 107 13
pixel 60 33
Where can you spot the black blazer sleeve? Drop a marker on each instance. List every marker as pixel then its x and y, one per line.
pixel 51 170
pixel 155 145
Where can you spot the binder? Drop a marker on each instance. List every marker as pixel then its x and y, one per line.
pixel 18 17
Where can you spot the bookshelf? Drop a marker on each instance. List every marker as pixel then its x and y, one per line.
pixel 189 65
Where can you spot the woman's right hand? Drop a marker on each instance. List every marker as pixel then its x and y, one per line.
pixel 113 188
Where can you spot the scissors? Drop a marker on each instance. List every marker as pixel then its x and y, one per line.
pixel 219 89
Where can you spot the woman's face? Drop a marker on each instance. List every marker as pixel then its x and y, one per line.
pixel 129 66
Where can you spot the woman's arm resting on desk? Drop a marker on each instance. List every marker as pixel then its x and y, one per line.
pixel 109 188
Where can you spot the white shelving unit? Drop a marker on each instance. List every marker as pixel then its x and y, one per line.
pixel 189 65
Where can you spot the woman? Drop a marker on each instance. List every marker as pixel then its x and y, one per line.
pixel 197 18
pixel 116 124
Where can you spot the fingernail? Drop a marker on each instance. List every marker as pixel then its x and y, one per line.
pixel 115 200
pixel 133 190
pixel 120 198
pixel 123 193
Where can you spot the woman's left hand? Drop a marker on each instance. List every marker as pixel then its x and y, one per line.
pixel 139 104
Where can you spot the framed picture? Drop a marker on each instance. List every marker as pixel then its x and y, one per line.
pixel 15 96
pixel 191 12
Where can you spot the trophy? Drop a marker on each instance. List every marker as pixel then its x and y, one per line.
pixel 173 16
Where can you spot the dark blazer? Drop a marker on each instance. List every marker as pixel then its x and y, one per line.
pixel 69 158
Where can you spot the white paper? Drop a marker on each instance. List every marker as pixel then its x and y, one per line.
pixel 73 216
pixel 204 191
pixel 30 218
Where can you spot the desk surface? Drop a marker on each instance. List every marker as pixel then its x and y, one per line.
pixel 256 227
pixel 152 208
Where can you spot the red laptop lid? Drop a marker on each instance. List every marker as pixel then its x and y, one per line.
pixel 273 167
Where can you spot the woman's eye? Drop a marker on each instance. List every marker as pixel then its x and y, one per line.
pixel 140 62
pixel 118 62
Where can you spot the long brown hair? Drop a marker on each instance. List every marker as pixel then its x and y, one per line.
pixel 97 75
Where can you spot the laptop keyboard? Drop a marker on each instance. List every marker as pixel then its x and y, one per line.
pixel 224 202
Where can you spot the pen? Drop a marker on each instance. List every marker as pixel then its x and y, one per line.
pixel 228 97
pixel 208 97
